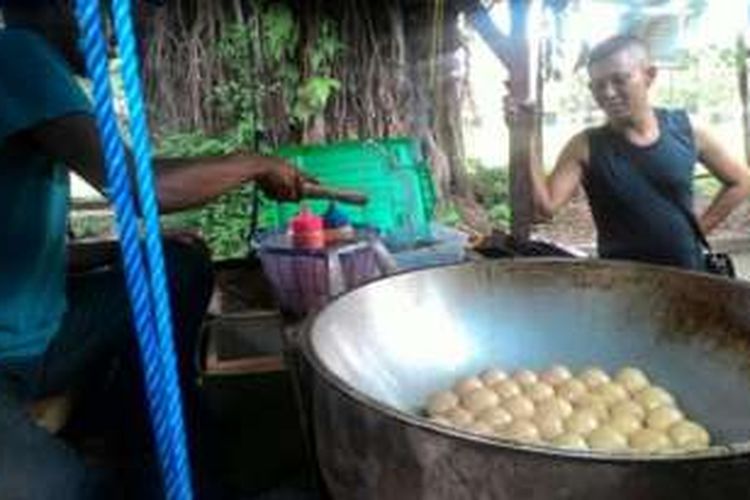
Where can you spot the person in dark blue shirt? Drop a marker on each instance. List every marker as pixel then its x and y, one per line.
pixel 637 169
pixel 59 331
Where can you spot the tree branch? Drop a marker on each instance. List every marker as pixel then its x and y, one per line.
pixel 500 43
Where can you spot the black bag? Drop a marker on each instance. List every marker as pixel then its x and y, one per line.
pixel 719 263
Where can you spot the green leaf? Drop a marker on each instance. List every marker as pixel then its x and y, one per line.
pixel 313 96
pixel 280 32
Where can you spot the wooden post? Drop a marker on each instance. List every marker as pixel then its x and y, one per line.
pixel 742 81
pixel 521 136
pixel 514 52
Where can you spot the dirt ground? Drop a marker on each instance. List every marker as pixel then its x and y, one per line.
pixel 574 225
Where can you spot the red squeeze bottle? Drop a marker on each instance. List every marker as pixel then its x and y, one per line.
pixel 307 230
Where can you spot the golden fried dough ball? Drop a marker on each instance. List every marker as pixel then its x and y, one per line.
pixel 572 390
pixel 525 377
pixel 628 407
pixel 689 436
pixel 507 389
pixel 440 402
pixel 611 393
pixel 649 440
pixel 595 404
pixel 663 417
pixel 467 385
pixel 632 379
pixel 550 426
pixel 521 430
pixel 653 397
pixel 607 438
pixel 581 421
pixel 625 423
pixel 594 377
pixel 519 406
pixel 492 376
pixel 554 406
pixel 479 400
pixel 459 417
pixel 496 417
pixel 539 391
pixel 556 375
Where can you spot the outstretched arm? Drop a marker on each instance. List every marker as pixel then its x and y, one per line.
pixel 181 183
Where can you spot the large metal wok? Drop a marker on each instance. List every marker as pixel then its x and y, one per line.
pixel 377 351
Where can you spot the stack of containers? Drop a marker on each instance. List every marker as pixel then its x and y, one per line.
pixel 391 172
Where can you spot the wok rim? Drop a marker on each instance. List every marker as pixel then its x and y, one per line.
pixel 713 453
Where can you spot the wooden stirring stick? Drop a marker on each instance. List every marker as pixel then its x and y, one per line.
pixel 310 190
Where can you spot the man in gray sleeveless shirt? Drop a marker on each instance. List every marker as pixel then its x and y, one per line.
pixel 637 169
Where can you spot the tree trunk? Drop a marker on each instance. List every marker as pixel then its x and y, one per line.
pixel 435 100
pixel 514 52
pixel 448 105
pixel 521 136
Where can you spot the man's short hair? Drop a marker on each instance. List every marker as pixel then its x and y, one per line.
pixel 616 44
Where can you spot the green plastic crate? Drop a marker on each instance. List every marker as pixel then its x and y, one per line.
pixel 392 172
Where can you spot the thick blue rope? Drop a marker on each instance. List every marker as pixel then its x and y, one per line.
pixel 122 14
pixel 149 299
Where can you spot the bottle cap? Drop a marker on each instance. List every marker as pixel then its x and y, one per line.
pixel 306 222
pixel 335 217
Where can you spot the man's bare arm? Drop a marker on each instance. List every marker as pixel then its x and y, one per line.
pixel 181 183
pixel 732 174
pixel 552 192
pixel 549 193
